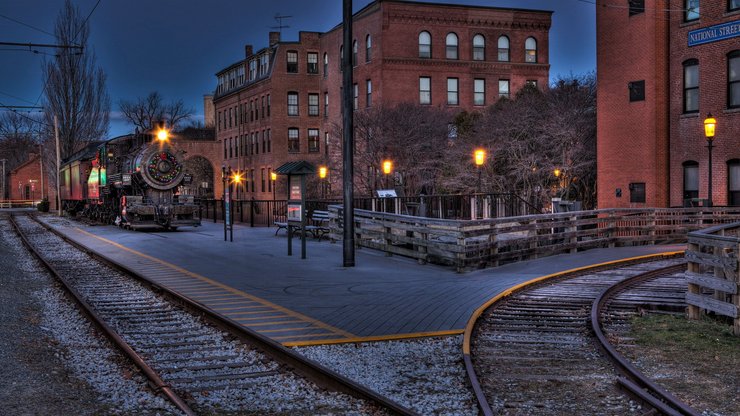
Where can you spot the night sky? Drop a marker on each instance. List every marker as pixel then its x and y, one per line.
pixel 176 46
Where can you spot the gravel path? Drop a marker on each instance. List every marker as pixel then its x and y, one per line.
pixel 427 375
pixel 50 354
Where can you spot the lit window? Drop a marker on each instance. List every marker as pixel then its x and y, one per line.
pixel 452 91
pixel 479 48
pixel 503 88
pixel 425 90
pixel 479 92
pixel 530 46
pixel 313 63
pixel 451 46
pixel 294 144
pixel 292 59
pixel 691 86
pixel 691 10
pixel 425 45
pixel 733 79
pixel 503 49
pixel 313 140
pixel 292 103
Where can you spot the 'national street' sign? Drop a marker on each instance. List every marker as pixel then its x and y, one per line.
pixel 714 33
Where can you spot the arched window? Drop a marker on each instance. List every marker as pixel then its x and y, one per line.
pixel 530 50
pixel 503 49
pixel 368 48
pixel 691 86
pixel 354 53
pixel 425 45
pixel 690 181
pixel 733 79
pixel 479 48
pixel 341 58
pixel 451 46
pixel 326 64
pixel 733 182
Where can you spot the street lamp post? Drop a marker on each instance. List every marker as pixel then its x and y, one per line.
pixel 479 158
pixel 322 175
pixel 709 125
pixel 387 169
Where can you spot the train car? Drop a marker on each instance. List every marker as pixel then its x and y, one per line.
pixel 131 181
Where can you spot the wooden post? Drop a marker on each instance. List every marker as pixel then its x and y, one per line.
pixel 693 311
pixel 574 230
pixel 736 296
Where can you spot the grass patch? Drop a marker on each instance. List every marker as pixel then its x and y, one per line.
pixel 703 339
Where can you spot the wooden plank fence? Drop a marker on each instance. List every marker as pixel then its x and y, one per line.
pixel 467 244
pixel 714 273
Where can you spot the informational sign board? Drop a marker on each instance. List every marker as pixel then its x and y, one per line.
pixel 295 188
pixel 126 179
pixel 227 208
pixel 294 212
pixel 386 193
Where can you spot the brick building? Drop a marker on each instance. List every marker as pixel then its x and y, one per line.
pixel 280 103
pixel 25 181
pixel 660 70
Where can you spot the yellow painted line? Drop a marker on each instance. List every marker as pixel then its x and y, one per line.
pixel 302 336
pixel 274 323
pixel 288 329
pixel 478 312
pixel 231 301
pixel 375 338
pixel 251 312
pixel 223 286
pixel 208 291
pixel 191 284
pixel 231 297
pixel 237 308
pixel 261 317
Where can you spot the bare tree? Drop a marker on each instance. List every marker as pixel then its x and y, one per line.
pixel 75 86
pixel 146 113
pixel 17 138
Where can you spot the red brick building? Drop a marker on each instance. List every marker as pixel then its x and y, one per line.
pixel 280 103
pixel 25 181
pixel 660 70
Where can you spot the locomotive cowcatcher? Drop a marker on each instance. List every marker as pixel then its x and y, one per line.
pixel 131 181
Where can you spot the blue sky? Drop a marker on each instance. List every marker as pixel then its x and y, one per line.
pixel 176 46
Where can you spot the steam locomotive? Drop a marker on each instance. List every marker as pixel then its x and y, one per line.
pixel 131 181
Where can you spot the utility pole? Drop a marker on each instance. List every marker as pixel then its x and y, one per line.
pixel 56 139
pixel 348 145
pixel 3 162
pixel 41 170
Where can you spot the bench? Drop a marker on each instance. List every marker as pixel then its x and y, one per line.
pixel 318 224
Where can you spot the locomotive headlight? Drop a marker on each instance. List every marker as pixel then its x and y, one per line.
pixel 163 135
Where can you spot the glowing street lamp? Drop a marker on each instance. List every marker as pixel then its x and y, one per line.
pixel 479 157
pixel 709 125
pixel 556 172
pixel 273 178
pixel 163 135
pixel 322 175
pixel 387 169
pixel 322 172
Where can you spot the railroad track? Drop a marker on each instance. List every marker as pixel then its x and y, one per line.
pixel 201 362
pixel 535 351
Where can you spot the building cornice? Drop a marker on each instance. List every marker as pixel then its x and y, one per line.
pixel 406 17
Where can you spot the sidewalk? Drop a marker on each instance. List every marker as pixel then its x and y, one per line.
pixel 255 282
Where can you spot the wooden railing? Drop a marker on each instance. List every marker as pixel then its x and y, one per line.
pixel 714 273
pixel 473 244
pixel 17 203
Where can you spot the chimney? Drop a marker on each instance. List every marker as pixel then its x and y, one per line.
pixel 274 38
pixel 247 51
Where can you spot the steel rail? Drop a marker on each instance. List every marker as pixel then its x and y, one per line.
pixel 154 379
pixel 481 399
pixel 311 370
pixel 636 382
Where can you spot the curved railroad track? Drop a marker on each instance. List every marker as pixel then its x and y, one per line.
pixel 534 351
pixel 200 361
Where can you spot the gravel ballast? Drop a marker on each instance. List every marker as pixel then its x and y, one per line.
pixel 427 375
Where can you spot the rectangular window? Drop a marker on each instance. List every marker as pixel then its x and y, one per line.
pixel 425 90
pixel 231 148
pixel 637 90
pixel 690 180
pixel 252 69
pixel 268 105
pixel 733 183
pixel 262 174
pixel 355 97
pixel 292 59
pixel 252 140
pixel 326 143
pixel 503 88
pixel 292 103
pixel 368 93
pixel 294 144
pixel 269 182
pixel 691 87
pixel 313 140
pixel 637 192
pixel 236 146
pixel 231 116
pixel 263 106
pixel 636 7
pixel 269 141
pixel 264 142
pixel 733 79
pixel 479 92
pixel 264 64
pixel 226 151
pixel 691 10
pixel 326 104
pixel 452 91
pixel 313 63
pixel 313 104
pixel 256 142
pixel 733 5
pixel 251 178
pixel 219 120
pixel 251 111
